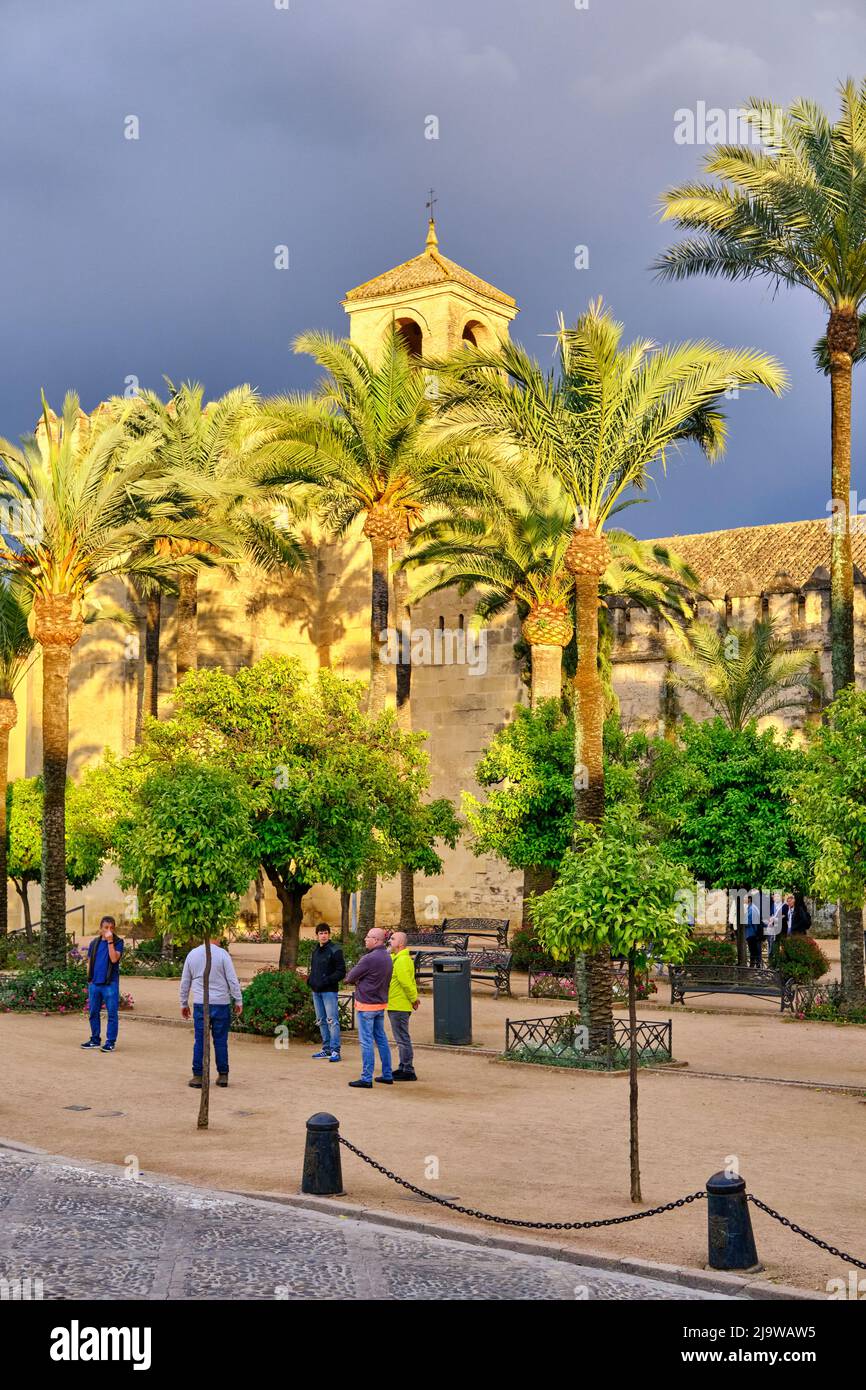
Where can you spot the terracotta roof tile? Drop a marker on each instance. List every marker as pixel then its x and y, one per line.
pixel 753 559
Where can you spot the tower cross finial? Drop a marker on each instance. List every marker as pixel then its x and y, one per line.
pixel 430 204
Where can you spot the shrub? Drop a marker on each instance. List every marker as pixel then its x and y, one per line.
pixel 277 998
pixel 526 949
pixel 51 991
pixel 133 963
pixel 706 951
pixel 799 958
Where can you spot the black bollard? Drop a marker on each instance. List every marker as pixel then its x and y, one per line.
pixel 730 1242
pixel 323 1174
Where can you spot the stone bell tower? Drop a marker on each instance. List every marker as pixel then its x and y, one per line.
pixel 435 303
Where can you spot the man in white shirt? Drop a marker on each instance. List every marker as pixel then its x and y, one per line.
pixel 223 988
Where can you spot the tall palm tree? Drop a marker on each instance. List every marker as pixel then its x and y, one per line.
pixel 97 508
pixel 598 424
pixel 793 210
pixel 16 654
pixel 514 552
pixel 742 673
pixel 206 448
pixel 364 443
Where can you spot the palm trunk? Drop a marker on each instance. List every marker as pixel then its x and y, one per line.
pixel 187 625
pixel 535 882
pixel 345 903
pixel 403 621
pixel 633 1151
pixel 589 779
pixel 842 598
pixel 205 1023
pixel 546 665
pixel 378 683
pixel 152 627
pixel 55 744
pixel 5 726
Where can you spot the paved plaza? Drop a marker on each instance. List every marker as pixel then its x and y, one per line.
pixel 92 1232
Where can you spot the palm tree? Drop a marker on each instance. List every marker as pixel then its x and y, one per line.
pixel 514 552
pixel 794 212
pixel 743 674
pixel 364 443
pixel 598 425
pixel 16 653
pixel 207 450
pixel 97 508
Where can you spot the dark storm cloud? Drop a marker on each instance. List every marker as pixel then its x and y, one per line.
pixel 305 127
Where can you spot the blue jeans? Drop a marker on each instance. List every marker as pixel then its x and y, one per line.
pixel 371 1033
pixel 109 995
pixel 328 1018
pixel 220 1018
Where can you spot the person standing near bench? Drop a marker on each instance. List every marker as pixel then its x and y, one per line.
pixel 402 1001
pixel 372 979
pixel 103 984
pixel 753 932
pixel 327 968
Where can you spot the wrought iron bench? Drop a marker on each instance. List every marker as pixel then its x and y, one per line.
pixel 756 981
pixel 487 967
pixel 458 942
pixel 494 928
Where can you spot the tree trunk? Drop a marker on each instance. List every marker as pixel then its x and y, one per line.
pixel 546 668
pixel 345 904
pixel 55 744
pixel 589 779
pixel 4 781
pixel 205 1023
pixel 152 628
pixel 740 933
pixel 367 908
pixel 22 888
pixel 633 1151
pixel 261 920
pixel 187 625
pixel 378 627
pixel 535 881
pixel 290 898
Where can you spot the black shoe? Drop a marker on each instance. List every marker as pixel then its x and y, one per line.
pixel 384 1080
pixel 405 1076
pixel 195 1081
pixel 223 1078
pixel 109 1047
pixel 92 1042
pixel 367 1085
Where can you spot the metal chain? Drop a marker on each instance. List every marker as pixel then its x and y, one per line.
pixel 798 1231
pixel 513 1221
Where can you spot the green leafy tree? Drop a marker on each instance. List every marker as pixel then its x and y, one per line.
pixel 335 795
pixel 619 890
pixel 743 674
pixel 723 801
pixel 828 802
pixel 188 842
pixel 86 843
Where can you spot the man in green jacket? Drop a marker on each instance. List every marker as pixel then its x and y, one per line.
pixel 402 1001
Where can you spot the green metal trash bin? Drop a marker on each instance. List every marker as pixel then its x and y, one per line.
pixel 452 1000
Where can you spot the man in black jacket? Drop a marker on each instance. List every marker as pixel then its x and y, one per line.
pixel 327 969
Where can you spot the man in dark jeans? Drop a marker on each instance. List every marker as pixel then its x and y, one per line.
pixel 103 984
pixel 327 968
pixel 223 990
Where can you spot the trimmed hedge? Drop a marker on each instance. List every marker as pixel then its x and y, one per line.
pixel 799 958
pixel 275 999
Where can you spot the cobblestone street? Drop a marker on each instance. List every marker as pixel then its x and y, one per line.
pixel 90 1232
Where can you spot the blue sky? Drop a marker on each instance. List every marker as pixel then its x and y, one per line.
pixel 305 127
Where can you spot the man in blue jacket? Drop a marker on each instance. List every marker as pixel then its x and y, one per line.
pixel 103 983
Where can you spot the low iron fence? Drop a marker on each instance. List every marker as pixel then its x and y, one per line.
pixel 563 1041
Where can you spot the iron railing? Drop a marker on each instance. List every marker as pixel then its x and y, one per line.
pixel 564 1041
